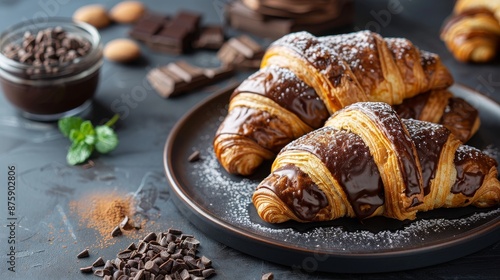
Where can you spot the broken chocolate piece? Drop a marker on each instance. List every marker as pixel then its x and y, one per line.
pixel 147 26
pixel 195 156
pixel 241 51
pixel 83 254
pixel 177 35
pixel 98 262
pixel 116 232
pixel 87 269
pixel 266 20
pixel 178 77
pixel 268 276
pixel 211 37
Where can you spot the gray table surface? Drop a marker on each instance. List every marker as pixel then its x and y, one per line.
pixel 49 234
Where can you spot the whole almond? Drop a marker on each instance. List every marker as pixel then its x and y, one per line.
pixel 95 15
pixel 127 11
pixel 122 50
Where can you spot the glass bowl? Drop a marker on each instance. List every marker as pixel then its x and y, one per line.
pixel 60 78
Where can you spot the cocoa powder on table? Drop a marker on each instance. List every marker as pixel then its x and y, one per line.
pixel 103 212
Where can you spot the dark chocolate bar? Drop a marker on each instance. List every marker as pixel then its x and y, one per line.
pixel 174 35
pixel 147 26
pixel 210 37
pixel 241 51
pixel 318 22
pixel 178 77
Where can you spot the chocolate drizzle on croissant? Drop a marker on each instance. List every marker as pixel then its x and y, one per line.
pixel 440 106
pixel 356 164
pixel 303 79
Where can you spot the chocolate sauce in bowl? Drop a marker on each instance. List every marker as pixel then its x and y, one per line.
pixel 51 69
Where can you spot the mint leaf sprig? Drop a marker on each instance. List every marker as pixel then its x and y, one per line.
pixel 85 138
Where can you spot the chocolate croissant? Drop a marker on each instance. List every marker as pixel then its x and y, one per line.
pixel 304 79
pixel 440 106
pixel 367 161
pixel 472 32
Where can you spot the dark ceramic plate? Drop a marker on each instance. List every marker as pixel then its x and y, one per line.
pixel 220 205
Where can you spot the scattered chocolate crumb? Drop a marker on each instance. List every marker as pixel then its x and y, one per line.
pixel 98 262
pixel 170 255
pixel 83 254
pixel 268 276
pixel 102 272
pixel 195 156
pixel 87 269
pixel 89 164
pixel 116 231
pixel 124 222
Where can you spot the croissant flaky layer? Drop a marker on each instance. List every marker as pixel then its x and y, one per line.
pixel 304 79
pixel 472 32
pixel 440 106
pixel 367 161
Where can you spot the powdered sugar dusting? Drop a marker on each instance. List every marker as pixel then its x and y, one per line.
pixel 228 198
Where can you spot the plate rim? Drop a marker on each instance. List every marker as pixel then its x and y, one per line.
pixel 487 231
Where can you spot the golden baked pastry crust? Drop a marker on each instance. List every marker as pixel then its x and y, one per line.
pixel 366 162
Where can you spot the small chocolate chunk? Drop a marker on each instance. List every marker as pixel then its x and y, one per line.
pixel 178 77
pixel 268 276
pixel 87 269
pixel 167 266
pixel 143 247
pixel 191 242
pixel 149 237
pixel 211 37
pixel 195 156
pixel 124 222
pixel 178 265
pixel 108 265
pixel 139 275
pixel 164 241
pixel 119 263
pixel 184 274
pixel 196 272
pixel 171 247
pixel 132 246
pixel 98 262
pixel 83 254
pixel 102 272
pixel 176 256
pixel 208 272
pixel 205 261
pixel 164 255
pixel 124 254
pixel 152 267
pixel 132 263
pixel 174 231
pixel 116 231
pixel 242 52
pixel 147 26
